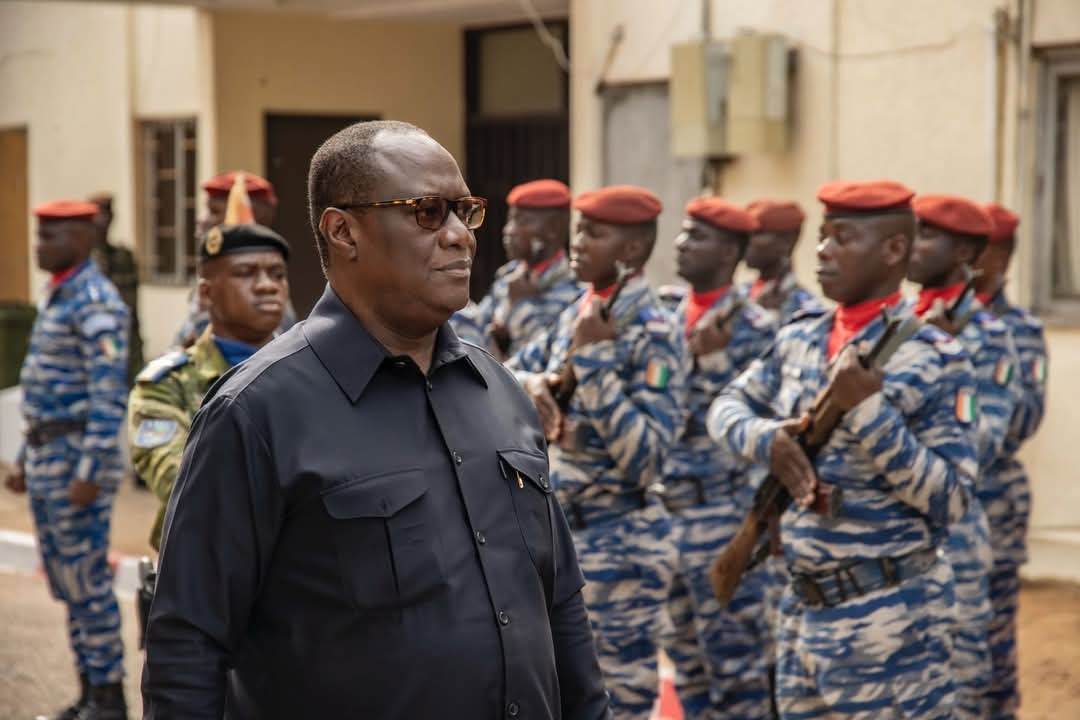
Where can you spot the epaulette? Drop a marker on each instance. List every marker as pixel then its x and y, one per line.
pixel 162 366
pixel 505 269
pixel 671 294
pixel 946 344
pixel 656 321
pixel 757 316
pixel 805 313
pixel 989 322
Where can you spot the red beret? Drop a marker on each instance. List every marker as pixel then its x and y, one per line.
pixel 952 213
pixel 66 210
pixel 619 204
pixel 257 188
pixel 722 214
pixel 777 215
pixel 540 195
pixel 867 197
pixel 1005 222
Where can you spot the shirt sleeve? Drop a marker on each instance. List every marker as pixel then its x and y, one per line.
pixel 581 683
pixel 928 457
pixel 740 418
pixel 635 416
pixel 998 389
pixel 1031 348
pixel 102 335
pixel 222 520
pixel 158 427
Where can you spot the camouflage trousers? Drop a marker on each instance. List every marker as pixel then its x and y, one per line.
pixel 1008 511
pixel 968 551
pixel 628 566
pixel 74 544
pixel 722 655
pixel 880 656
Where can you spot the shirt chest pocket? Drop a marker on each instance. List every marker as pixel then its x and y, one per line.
pixel 530 487
pixel 388 540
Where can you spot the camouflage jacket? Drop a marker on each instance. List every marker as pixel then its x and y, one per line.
pixel 1027 333
pixel 791 298
pixel 166 396
pixel 118 264
pixel 905 457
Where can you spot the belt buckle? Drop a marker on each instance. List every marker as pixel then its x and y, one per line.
pixel 809 590
pixel 889 571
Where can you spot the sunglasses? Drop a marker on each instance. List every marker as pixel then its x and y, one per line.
pixel 431 211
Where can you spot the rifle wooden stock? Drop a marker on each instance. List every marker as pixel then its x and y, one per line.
pixel 772 498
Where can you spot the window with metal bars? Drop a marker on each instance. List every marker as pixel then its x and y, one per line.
pixel 169 198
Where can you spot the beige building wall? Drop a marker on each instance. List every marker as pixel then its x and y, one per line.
pixel 297 64
pixel 905 89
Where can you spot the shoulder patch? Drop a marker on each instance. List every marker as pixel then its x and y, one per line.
pixel 162 366
pixel 98 322
pixel 966 408
pixel 656 321
pixel 948 345
pixel 657 374
pixel 154 432
pixel 805 312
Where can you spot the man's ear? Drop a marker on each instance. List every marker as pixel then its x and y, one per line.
pixel 895 249
pixel 336 229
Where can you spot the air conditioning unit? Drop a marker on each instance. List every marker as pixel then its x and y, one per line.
pixel 730 98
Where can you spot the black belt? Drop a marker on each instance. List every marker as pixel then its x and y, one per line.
pixel 43 432
pixel 832 588
pixel 639 496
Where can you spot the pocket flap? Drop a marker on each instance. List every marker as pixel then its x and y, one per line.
pixel 382 496
pixel 529 464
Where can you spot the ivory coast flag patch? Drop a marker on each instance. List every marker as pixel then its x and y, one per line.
pixel 109 347
pixel 1003 372
pixel 1038 370
pixel 657 374
pixel 965 406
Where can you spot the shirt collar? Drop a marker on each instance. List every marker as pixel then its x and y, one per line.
pixel 352 356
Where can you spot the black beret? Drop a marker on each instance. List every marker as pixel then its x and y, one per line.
pixel 249 237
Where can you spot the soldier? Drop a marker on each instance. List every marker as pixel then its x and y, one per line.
pixel 721 655
pixel 118 264
pixel 536 285
pixel 243 283
pixel 866 619
pixel 769 252
pixel 74 386
pixel 609 440
pixel 1009 506
pixel 264 208
pixel 952 231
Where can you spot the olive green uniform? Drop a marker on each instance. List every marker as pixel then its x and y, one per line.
pixel 166 396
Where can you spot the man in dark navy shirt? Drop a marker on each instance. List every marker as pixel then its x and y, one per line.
pixel 363 524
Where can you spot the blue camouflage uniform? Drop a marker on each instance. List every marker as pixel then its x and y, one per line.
pixel 879 646
pixel 722 655
pixel 1007 500
pixel 75 376
pixel 795 300
pixel 525 319
pixel 619 425
pixel 993 355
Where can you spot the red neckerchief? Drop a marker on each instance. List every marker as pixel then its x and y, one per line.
pixel 757 287
pixel 543 265
pixel 850 319
pixel 928 296
pixel 58 279
pixel 985 298
pixel 697 303
pixel 591 293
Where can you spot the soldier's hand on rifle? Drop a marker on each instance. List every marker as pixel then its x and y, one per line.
pixel 81 492
pixel 592 327
pixel 521 284
pixel 16 480
pixel 788 462
pixel 707 335
pixel 539 389
pixel 936 315
pixel 852 383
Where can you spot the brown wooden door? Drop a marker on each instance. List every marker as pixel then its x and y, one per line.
pixel 291 140
pixel 517 127
pixel 14 217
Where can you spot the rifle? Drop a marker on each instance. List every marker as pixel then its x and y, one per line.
pixel 952 313
pixel 564 383
pixel 500 334
pixel 744 550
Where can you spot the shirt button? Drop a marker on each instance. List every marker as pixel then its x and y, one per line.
pixel 504 618
pixel 399 364
pixel 544 482
pixel 457 458
pixel 480 537
pixel 430 386
pixel 512 709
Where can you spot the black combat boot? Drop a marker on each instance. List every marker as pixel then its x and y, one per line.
pixel 72 712
pixel 106 703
